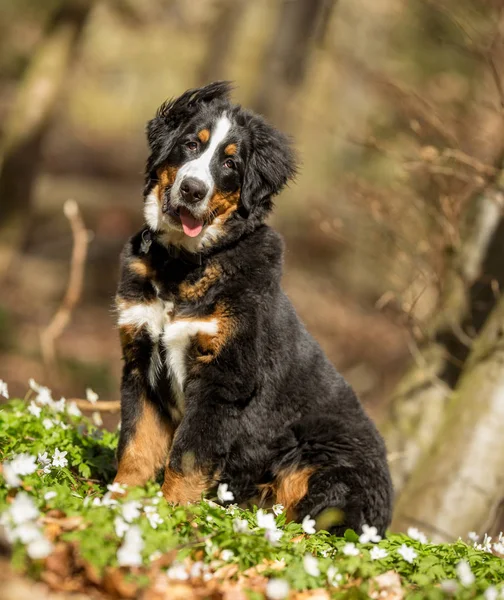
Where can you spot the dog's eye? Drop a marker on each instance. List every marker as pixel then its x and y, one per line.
pixel 230 164
pixel 192 145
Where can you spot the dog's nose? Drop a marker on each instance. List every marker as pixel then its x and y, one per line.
pixel 193 190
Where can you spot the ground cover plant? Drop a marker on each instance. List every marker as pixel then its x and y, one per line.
pixel 68 526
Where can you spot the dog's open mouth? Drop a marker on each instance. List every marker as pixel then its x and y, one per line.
pixel 190 224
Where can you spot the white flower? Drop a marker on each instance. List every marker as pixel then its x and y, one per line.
pixel 91 396
pixel 96 501
pixel 449 586
pixel 24 464
pixel 416 534
pixel 155 556
pixel 4 390
pixel 59 406
pixel 464 573
pixel 197 569
pixel 43 396
pixel 308 524
pixel 277 589
pixel 153 516
pixel 491 593
pixel 407 553
pixel 34 410
pixel 48 424
pixel 23 509
pixel 33 384
pixel 116 488
pixel 334 578
pixel 97 419
pixel 129 554
pixel 240 526
pixel 227 555
pixel 369 534
pixel 278 510
pixel 473 536
pixel 273 536
pixel 26 532
pixel 499 548
pixel 39 548
pixel 49 495
pixel 310 564
pixel 120 526
pixel 21 464
pixel 131 511
pixel 59 459
pixel 177 571
pixel 10 476
pixel 350 549
pixel 224 494
pixel 73 410
pixel 377 553
pixel 45 461
pixel 107 500
pixel 265 520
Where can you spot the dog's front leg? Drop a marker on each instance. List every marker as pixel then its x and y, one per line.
pixel 146 434
pixel 199 449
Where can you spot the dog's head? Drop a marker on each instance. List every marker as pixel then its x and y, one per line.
pixel 213 169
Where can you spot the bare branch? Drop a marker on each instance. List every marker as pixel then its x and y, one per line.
pixel 406 100
pixel 74 289
pixel 99 405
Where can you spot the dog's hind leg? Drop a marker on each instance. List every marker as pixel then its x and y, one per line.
pixel 325 471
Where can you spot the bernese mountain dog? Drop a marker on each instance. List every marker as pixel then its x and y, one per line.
pixel 221 381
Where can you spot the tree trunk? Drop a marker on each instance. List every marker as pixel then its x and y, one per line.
pixel 467 298
pixel 30 117
pixel 300 22
pixel 418 406
pixel 458 486
pixel 221 35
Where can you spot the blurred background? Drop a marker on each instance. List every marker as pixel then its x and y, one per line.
pixel 395 251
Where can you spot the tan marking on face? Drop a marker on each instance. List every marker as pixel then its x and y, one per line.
pixel 230 150
pixel 194 291
pixel 210 346
pixel 147 449
pixel 182 488
pixel 204 136
pixel 223 205
pixel 140 267
pixel 166 176
pixel 290 487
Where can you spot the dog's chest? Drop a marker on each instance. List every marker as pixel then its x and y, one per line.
pixel 171 335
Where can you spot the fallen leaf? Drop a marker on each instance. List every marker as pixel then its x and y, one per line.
pixel 115 584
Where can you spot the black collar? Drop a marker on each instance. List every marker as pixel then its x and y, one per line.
pixel 148 236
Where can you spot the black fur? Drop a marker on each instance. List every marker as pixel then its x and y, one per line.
pixel 269 402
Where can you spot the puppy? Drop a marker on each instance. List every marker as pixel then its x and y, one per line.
pixel 221 381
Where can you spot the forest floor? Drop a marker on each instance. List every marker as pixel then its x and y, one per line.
pixel 68 529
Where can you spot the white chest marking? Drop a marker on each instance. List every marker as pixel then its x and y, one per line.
pixel 176 339
pixel 154 317
pixel 174 334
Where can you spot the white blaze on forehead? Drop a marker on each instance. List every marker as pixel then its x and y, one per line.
pixel 200 167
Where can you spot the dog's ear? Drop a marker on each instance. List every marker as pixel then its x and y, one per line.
pixel 164 128
pixel 270 164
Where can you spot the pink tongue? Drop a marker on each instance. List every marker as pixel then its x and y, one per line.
pixel 192 227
